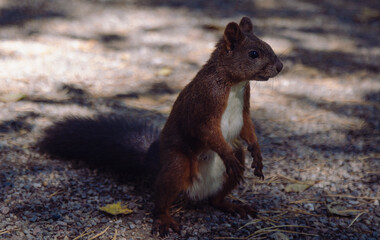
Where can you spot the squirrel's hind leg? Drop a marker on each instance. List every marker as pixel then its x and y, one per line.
pixel 173 178
pixel 219 201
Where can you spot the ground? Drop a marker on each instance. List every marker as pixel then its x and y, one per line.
pixel 317 122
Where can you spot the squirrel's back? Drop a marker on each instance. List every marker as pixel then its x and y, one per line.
pixel 112 142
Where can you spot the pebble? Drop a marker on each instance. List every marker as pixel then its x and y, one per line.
pixel 279 236
pixel 33 219
pixel 5 210
pixel 138 222
pixel 309 206
pixel 364 227
pixel 132 226
pixel 55 216
pixel 61 223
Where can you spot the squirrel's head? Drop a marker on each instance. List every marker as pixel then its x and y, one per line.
pixel 245 56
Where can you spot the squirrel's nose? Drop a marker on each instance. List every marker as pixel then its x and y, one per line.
pixel 279 66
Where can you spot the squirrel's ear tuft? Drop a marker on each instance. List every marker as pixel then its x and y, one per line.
pixel 246 25
pixel 232 35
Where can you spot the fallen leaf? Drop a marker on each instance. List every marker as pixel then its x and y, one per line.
pixel 339 209
pixel 116 209
pixel 165 71
pixel 12 97
pixel 297 187
pixel 368 15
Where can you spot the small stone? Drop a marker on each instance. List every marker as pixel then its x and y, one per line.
pixel 353 202
pixel 138 222
pixel 132 226
pixel 279 236
pixel 203 230
pixel 61 223
pixel 55 216
pixel 364 227
pixel 33 219
pixel 309 206
pixel 5 210
pixel 36 230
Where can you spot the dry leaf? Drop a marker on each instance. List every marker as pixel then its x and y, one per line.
pixel 297 187
pixel 165 71
pixel 12 97
pixel 339 209
pixel 116 209
pixel 368 15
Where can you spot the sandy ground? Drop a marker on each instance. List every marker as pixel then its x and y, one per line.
pixel 317 122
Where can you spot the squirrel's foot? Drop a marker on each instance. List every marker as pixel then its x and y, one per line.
pixel 162 225
pixel 242 210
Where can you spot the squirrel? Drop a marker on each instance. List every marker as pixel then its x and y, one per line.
pixel 199 151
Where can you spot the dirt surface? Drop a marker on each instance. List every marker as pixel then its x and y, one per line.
pixel 317 122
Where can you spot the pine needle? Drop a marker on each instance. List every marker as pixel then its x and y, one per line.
pixel 99 234
pixel 115 235
pixel 4 231
pixel 84 233
pixel 237 199
pixel 350 196
pixel 230 238
pixel 266 230
pixel 55 193
pixel 355 219
pixel 304 201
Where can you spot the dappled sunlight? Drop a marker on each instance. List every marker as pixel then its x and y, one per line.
pixel 317 122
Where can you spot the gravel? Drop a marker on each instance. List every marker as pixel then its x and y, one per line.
pixel 317 123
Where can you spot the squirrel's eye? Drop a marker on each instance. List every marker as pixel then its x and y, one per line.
pixel 253 54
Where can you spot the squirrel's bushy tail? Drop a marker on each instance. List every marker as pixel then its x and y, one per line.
pixel 110 142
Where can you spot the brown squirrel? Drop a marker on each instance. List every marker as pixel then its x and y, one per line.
pixel 200 151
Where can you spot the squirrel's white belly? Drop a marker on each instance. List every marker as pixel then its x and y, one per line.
pixel 211 173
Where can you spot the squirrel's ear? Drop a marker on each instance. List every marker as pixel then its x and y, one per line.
pixel 232 35
pixel 246 25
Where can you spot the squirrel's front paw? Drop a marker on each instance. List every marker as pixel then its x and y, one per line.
pixel 257 162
